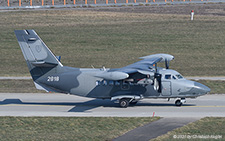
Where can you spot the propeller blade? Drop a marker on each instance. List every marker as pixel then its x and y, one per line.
pixel 156 84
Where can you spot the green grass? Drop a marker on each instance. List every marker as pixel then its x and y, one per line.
pixel 84 38
pixel 18 86
pixel 27 86
pixel 205 126
pixel 67 128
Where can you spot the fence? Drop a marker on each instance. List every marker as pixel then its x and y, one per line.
pixel 15 3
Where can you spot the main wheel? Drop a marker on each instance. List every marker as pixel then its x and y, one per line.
pixel 124 103
pixel 178 102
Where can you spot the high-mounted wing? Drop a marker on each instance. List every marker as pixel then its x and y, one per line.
pixel 145 67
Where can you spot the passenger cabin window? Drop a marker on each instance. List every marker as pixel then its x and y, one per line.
pixel 111 83
pixel 167 76
pixel 125 85
pixel 104 82
pixel 117 83
pixel 98 83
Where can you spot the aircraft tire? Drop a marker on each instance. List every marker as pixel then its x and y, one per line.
pixel 178 102
pixel 124 103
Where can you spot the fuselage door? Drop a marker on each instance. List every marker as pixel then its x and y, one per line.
pixel 166 88
pixel 166 85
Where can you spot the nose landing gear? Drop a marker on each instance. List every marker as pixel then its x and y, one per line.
pixel 180 101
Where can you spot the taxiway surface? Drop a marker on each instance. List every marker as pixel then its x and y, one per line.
pixel 54 104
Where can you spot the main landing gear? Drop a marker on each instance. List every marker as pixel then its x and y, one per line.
pixel 180 101
pixel 125 102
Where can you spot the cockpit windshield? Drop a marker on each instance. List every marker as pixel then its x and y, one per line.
pixel 175 76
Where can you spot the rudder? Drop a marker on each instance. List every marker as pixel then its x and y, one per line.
pixel 38 56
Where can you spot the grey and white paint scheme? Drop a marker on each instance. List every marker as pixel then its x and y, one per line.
pixel 126 85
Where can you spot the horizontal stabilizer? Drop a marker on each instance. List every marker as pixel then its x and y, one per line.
pixel 43 64
pixel 39 87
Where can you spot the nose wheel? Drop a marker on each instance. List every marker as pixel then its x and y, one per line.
pixel 179 102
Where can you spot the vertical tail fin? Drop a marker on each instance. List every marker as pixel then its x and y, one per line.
pixel 38 56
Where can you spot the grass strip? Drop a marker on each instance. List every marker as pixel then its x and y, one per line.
pixel 68 128
pixel 116 39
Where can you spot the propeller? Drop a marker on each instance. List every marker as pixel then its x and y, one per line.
pixel 157 80
pixel 156 84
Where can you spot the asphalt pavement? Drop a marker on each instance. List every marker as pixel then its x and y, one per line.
pixel 155 129
pixel 64 105
pixel 54 104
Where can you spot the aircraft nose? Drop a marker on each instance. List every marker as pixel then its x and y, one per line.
pixel 201 89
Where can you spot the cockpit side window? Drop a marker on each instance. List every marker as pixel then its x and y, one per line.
pixel 179 76
pixel 174 77
pixel 168 76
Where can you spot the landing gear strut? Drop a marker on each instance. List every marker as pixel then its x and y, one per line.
pixel 133 102
pixel 125 100
pixel 179 102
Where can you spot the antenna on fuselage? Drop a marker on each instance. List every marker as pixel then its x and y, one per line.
pixel 92 66
pixel 103 68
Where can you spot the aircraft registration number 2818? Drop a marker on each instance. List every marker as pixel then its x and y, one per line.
pixel 53 78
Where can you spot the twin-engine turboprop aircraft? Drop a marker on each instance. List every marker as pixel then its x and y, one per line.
pixel 127 85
